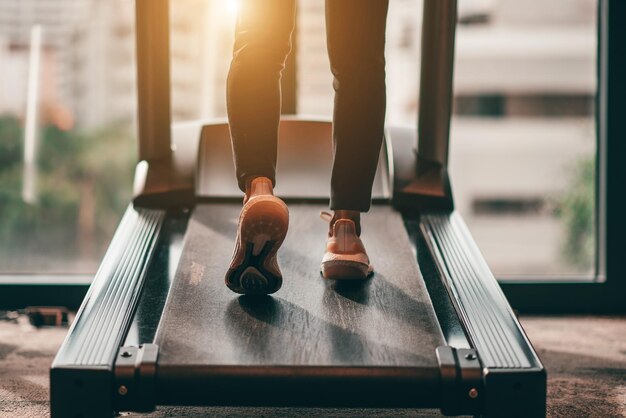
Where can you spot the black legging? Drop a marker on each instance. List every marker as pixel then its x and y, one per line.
pixel 355 31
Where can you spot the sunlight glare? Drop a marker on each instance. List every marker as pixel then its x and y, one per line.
pixel 233 7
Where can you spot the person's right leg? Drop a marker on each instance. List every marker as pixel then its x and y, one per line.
pixel 356 48
pixel 262 43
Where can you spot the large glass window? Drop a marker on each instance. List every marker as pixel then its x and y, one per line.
pixel 67 148
pixel 523 142
pixel 523 137
pixel 67 118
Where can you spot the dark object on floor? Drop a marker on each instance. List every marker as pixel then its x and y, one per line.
pixel 52 316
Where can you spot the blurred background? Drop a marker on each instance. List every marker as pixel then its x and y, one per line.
pixel 523 139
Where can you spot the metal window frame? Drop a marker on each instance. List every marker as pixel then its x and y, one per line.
pixel 21 290
pixel 603 293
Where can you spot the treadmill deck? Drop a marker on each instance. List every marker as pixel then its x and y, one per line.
pixel 386 321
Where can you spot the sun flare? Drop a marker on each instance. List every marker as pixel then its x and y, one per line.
pixel 232 6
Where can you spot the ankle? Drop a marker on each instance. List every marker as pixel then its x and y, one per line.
pixel 353 215
pixel 257 186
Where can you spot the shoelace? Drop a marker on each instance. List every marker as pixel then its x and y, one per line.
pixel 325 216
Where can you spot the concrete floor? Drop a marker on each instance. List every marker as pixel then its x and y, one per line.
pixel 585 358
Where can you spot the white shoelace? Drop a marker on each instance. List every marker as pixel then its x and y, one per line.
pixel 325 216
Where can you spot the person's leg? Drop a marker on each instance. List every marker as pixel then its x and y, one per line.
pixel 356 48
pixel 262 43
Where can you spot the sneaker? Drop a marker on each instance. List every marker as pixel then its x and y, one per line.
pixel 345 257
pixel 262 229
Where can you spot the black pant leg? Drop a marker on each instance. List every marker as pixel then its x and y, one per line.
pixel 355 32
pixel 262 43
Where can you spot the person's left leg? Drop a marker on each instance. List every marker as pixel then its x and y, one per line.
pixel 356 48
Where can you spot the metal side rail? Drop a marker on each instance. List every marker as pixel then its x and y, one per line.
pixel 514 380
pixel 81 376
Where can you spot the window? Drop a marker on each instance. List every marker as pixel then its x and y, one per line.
pixel 67 146
pixel 67 119
pixel 523 140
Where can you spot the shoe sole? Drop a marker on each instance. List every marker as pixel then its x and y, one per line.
pixel 262 229
pixel 345 270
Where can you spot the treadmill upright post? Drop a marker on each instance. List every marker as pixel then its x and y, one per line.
pixel 435 97
pixel 427 186
pixel 163 178
pixel 153 79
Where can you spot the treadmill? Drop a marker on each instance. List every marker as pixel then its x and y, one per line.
pixel 430 329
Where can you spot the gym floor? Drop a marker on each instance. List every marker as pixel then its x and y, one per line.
pixel 585 358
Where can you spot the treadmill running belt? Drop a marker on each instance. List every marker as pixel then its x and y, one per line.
pixel 385 321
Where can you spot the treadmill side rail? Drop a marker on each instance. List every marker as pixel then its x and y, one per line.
pixel 514 378
pixel 81 376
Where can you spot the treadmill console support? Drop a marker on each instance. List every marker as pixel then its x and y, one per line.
pixel 417 185
pixel 164 174
pixel 153 79
pixel 428 186
pixel 435 96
